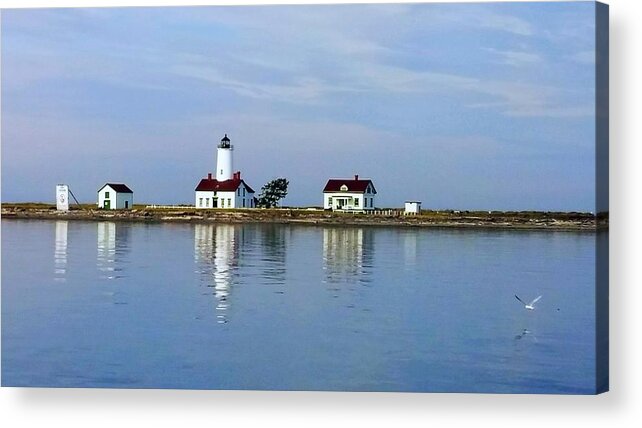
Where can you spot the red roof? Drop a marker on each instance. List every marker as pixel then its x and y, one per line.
pixel 213 185
pixel 354 185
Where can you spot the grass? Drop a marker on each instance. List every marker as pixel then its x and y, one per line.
pixel 28 205
pixel 305 212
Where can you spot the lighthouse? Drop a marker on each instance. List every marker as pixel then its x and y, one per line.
pixel 224 165
pixel 225 188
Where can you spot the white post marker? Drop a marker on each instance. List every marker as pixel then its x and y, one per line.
pixel 62 197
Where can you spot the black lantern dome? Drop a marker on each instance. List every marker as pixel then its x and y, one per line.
pixel 225 143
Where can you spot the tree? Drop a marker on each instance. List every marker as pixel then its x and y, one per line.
pixel 273 192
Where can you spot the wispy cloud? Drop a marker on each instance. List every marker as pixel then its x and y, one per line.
pixel 300 90
pixel 480 17
pixel 508 97
pixel 516 58
pixel 324 59
pixel 584 57
pixel 504 22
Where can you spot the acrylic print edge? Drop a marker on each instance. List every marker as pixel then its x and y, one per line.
pixel 602 197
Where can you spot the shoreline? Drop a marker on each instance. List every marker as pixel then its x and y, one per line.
pixel 495 220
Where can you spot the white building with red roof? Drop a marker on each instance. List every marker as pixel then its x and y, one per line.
pixel 227 190
pixel 349 194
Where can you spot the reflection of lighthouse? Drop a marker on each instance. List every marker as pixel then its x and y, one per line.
pixel 60 252
pixel 224 160
pixel 215 250
pixel 223 263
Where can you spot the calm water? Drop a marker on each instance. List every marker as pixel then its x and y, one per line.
pixel 295 308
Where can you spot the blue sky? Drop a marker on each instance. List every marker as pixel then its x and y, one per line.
pixel 463 106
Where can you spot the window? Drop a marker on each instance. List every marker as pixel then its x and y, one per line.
pixel 200 202
pixel 243 202
pixel 330 201
pixel 229 203
pixel 106 195
pixel 221 172
pixel 244 192
pixel 356 202
pixel 207 202
pixel 238 192
pixel 344 188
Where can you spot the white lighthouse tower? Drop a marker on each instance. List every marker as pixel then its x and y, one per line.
pixel 225 188
pixel 224 165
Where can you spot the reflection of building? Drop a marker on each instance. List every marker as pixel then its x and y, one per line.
pixel 273 245
pixel 106 246
pixel 349 195
pixel 215 249
pixel 410 247
pixel 204 242
pixel 347 253
pixel 112 242
pixel 60 251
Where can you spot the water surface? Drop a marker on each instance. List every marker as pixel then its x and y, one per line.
pixel 264 306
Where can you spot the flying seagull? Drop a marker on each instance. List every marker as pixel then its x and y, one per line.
pixel 528 306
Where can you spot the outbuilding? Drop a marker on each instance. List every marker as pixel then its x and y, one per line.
pixel 354 195
pixel 412 207
pixel 115 196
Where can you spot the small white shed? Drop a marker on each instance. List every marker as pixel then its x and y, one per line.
pixel 115 196
pixel 412 207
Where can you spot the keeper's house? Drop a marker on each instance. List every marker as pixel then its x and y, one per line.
pixel 115 196
pixel 232 193
pixel 349 195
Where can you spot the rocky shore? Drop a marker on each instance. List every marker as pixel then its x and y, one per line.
pixel 529 220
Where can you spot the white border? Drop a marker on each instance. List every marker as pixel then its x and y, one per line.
pixel 622 406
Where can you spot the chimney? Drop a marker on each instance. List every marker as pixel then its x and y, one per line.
pixel 356 177
pixel 209 175
pixel 237 175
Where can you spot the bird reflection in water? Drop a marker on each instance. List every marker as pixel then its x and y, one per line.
pixel 526 333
